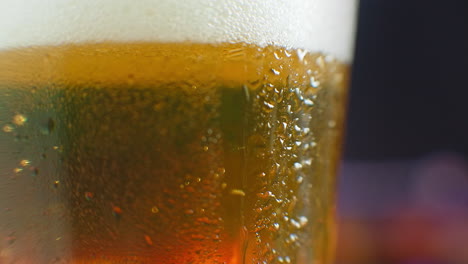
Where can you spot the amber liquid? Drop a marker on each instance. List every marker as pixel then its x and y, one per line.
pixel 168 153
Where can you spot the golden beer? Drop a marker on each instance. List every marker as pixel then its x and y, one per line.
pixel 171 132
pixel 168 153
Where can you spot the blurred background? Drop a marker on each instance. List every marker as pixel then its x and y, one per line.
pixel 403 192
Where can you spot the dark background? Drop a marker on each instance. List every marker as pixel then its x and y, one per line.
pixel 403 190
pixel 409 92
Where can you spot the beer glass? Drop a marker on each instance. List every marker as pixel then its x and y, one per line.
pixel 170 131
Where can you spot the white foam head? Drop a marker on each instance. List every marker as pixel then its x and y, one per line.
pixel 315 25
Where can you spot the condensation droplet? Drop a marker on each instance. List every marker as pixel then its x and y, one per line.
pixel 275 72
pixel 297 165
pixel 303 220
pixel 10 240
pixel 237 192
pixel 49 127
pixel 35 172
pixel 332 124
pixel 308 102
pixel 314 82
pixel 117 211
pixel 276 226
pixel 25 163
pixel 293 237
pixel 205 148
pixel 19 120
pixel 320 61
pixel 56 184
pixel 17 170
pixel 130 79
pixel 269 106
pixel 189 212
pixel 246 93
pixel 301 54
pixel 89 196
pixel 8 128
pixel 295 223
pixel 148 240
pixel 299 179
pixel 223 185
pixel 154 209
pixel 287 259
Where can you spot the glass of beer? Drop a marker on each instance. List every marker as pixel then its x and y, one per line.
pixel 170 131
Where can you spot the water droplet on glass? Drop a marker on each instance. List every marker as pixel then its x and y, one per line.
pixel 49 127
pixel 35 172
pixel 308 102
pixel 320 61
pixel 295 223
pixel 148 240
pixel 314 83
pixel 223 185
pixel 269 106
pixel 331 124
pixel 25 163
pixel 206 148
pixel 8 128
pixel 154 210
pixel 17 170
pixel 287 259
pixel 275 72
pixel 189 212
pixel 56 184
pixel 299 179
pixel 19 120
pixel 293 237
pixel 116 211
pixel 301 54
pixel 277 56
pixel 10 240
pixel 246 92
pixel 297 165
pixel 89 196
pixel 303 220
pixel 130 79
pixel 237 192
pixel 276 226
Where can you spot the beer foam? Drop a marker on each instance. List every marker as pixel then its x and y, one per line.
pixel 316 25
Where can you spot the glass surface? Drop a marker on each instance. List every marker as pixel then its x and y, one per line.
pixel 166 132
